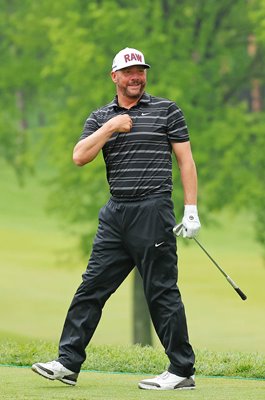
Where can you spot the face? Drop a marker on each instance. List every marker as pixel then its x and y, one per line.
pixel 130 82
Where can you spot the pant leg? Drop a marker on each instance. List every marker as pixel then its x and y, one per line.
pixel 154 249
pixel 108 266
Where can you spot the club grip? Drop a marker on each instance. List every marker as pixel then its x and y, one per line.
pixel 241 294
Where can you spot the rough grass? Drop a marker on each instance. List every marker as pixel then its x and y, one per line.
pixel 136 359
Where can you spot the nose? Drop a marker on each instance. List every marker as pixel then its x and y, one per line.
pixel 136 75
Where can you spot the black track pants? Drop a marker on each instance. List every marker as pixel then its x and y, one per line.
pixel 131 234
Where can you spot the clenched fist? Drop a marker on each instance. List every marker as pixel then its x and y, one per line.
pixel 120 123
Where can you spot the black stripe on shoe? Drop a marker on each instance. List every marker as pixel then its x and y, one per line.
pixel 69 379
pixel 187 383
pixel 42 372
pixel 48 371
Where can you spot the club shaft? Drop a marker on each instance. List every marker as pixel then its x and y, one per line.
pixel 206 252
pixel 177 231
pixel 232 283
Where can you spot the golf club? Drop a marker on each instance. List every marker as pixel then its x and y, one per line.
pixel 177 230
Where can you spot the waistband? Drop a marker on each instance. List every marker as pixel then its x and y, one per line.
pixel 163 195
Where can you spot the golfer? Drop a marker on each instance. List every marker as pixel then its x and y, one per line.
pixel 137 133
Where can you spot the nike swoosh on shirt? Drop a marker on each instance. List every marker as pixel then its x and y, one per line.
pixel 145 113
pixel 159 244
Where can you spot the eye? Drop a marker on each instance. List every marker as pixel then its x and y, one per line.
pixel 125 71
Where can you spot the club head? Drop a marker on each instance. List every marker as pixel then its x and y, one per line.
pixel 178 229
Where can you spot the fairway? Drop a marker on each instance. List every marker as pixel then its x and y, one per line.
pixel 22 384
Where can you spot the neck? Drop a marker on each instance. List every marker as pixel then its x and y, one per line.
pixel 127 102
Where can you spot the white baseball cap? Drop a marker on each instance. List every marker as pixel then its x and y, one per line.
pixel 128 57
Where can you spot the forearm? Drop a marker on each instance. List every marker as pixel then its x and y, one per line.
pixel 87 149
pixel 190 222
pixel 188 171
pixel 188 175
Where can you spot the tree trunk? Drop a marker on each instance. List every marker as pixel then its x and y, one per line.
pixel 20 103
pixel 141 317
pixel 255 95
pixel 255 91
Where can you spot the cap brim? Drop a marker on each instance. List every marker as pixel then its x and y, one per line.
pixel 116 68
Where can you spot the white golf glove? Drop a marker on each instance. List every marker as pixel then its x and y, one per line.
pixel 190 222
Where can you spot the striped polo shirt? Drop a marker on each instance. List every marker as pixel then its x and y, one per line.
pixel 139 163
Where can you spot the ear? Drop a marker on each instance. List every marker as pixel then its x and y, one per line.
pixel 114 77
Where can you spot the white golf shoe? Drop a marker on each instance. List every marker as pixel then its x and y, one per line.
pixel 55 370
pixel 168 381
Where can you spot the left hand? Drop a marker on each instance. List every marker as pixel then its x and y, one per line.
pixel 190 222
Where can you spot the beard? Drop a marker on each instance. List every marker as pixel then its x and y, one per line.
pixel 133 91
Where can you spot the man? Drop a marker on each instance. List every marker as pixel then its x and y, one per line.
pixel 137 133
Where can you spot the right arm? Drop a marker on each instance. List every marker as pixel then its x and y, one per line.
pixel 87 149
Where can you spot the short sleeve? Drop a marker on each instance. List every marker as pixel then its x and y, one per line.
pixel 90 126
pixel 177 127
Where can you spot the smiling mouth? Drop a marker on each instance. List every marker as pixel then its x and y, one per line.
pixel 136 86
pixel 135 89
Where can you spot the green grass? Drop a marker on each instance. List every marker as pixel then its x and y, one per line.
pixel 22 384
pixel 136 359
pixel 40 270
pixel 128 365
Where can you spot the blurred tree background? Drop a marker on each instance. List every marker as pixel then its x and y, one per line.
pixel 208 56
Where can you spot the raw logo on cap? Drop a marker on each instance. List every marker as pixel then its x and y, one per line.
pixel 127 58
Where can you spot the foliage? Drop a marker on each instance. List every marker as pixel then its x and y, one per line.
pixel 56 60
pixel 23 95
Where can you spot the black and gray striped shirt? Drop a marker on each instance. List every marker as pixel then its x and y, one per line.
pixel 139 163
